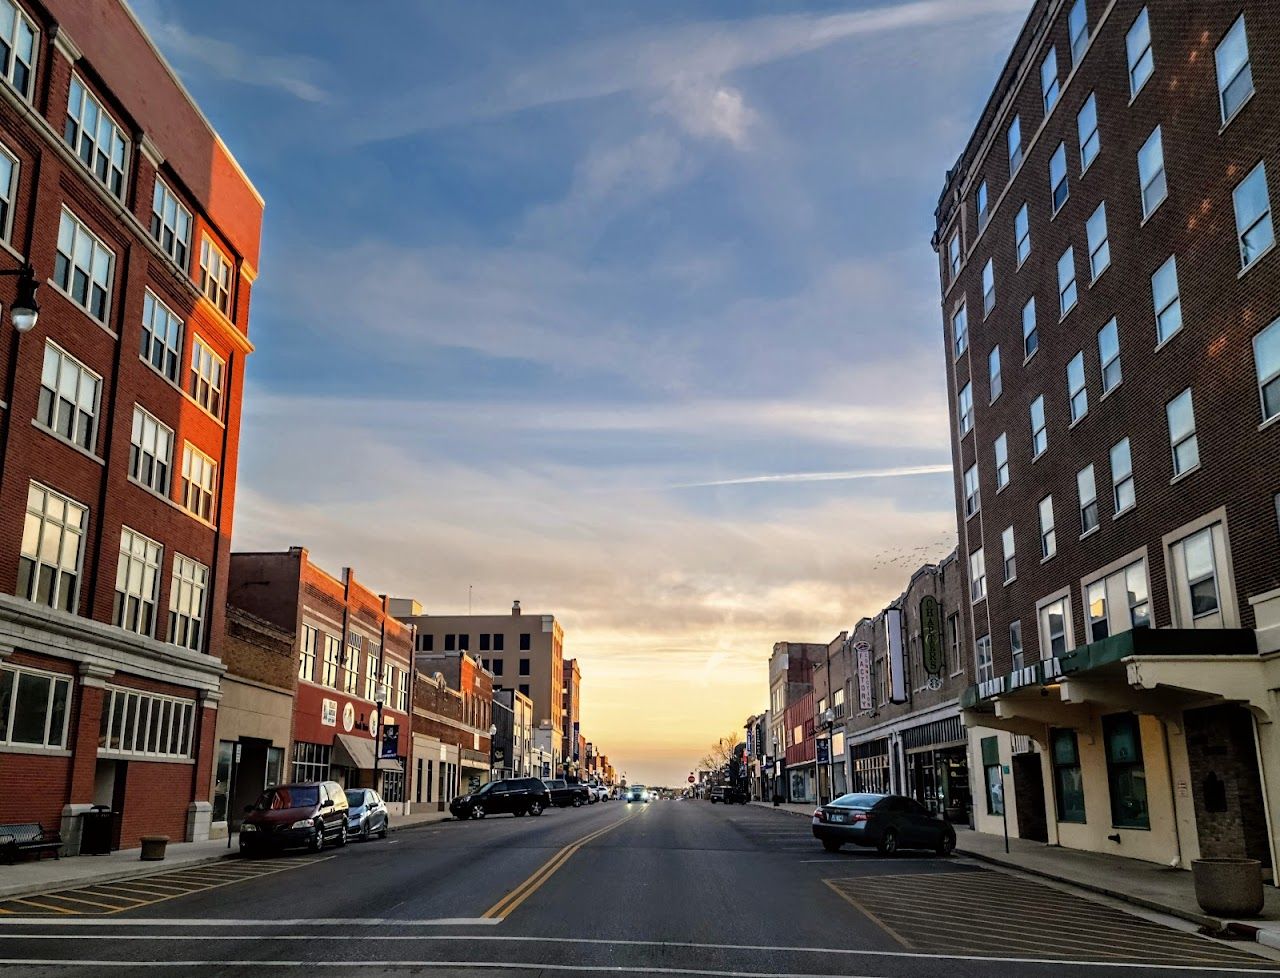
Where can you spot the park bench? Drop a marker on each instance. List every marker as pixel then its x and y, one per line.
pixel 19 838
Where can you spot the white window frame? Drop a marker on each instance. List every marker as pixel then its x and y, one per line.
pixel 1087 493
pixel 42 518
pixel 1000 448
pixel 955 258
pixel 1090 137
pixel 23 42
pixel 1050 84
pixel 1030 330
pixel 1078 30
pixel 1009 545
pixel 1039 429
pixel 977 576
pixel 983 204
pixel 972 491
pixel 1141 57
pixel 1266 364
pixel 1173 304
pixel 1256 222
pixel 80 401
pixel 995 379
pixel 173 730
pixel 1151 173
pixel 1048 531
pixel 74 237
pixel 985 662
pixel 1122 483
pixel 188 602
pixel 1062 603
pixel 1109 356
pixel 1210 530
pixel 332 657
pixel 1229 72
pixel 964 408
pixel 8 190
pixel 150 451
pixel 1077 388
pixel 1059 178
pixel 1099 242
pixel 77 135
pixel 1017 655
pixel 216 275
pixel 1014 137
pixel 1068 288
pixel 206 377
pixel 137 594
pixel 960 329
pixel 199 483
pixel 1117 597
pixel 1022 234
pixel 1184 437
pixel 171 225
pixel 988 287
pixel 308 652
pixel 53 737
pixel 162 331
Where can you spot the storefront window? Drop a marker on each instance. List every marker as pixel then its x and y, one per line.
pixel 393 784
pixel 310 762
pixel 994 775
pixel 222 780
pixel 275 766
pixel 1067 781
pixel 1126 776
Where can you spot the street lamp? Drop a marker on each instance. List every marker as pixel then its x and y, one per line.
pixel 828 719
pixel 25 311
pixel 380 697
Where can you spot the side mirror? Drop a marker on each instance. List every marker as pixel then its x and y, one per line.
pixel 248 809
pixel 327 803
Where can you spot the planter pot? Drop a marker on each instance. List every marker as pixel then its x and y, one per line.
pixel 153 847
pixel 1228 887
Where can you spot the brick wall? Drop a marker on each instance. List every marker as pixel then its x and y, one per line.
pixel 255 649
pixel 1230 811
pixel 156 800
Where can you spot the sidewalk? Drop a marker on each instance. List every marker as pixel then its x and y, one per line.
pixel 805 810
pixel 29 876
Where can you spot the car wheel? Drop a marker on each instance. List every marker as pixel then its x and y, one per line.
pixel 477 811
pixel 364 832
pixel 947 845
pixel 888 843
pixel 317 838
pixel 342 835
pixel 713 801
pixel 386 827
pixel 577 802
pixel 831 845
pixel 535 807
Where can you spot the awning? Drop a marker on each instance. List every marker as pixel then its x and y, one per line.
pixel 356 752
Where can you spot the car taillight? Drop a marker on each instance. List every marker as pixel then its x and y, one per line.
pixel 858 817
pixel 817 813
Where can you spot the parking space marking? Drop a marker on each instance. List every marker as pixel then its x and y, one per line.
pixel 973 910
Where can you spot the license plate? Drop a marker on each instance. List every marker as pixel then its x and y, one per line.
pixel 836 818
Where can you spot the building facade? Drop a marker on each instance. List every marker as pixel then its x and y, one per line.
pixel 790 678
pixel 571 716
pixel 119 422
pixel 473 683
pixel 350 655
pixel 1111 302
pixel 513 746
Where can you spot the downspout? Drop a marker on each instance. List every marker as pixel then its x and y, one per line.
pixel 1173 792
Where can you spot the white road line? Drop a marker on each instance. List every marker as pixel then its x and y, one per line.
pixel 512 938
pixel 215 922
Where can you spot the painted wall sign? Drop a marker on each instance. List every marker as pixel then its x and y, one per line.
pixel 897 656
pixel 348 717
pixel 931 647
pixel 329 712
pixel 865 697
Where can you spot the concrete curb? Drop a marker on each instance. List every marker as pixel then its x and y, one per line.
pixel 19 891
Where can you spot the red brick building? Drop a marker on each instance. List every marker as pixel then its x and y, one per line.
pixel 452 713
pixel 349 652
pixel 119 422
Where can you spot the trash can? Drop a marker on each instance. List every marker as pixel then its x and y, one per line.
pixel 95 831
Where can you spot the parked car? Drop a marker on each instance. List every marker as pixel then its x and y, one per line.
pixel 563 794
pixel 603 791
pixel 367 814
pixel 888 822
pixel 717 793
pixel 294 815
pixel 598 792
pixel 637 792
pixel 514 796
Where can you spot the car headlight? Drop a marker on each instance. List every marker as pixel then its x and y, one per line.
pixel 302 823
pixel 248 827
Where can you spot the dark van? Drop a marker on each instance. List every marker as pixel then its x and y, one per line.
pixel 295 815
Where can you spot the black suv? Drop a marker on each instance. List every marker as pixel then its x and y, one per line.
pixel 517 796
pixel 564 794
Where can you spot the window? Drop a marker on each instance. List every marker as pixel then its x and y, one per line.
pixel 199 474
pixel 1049 86
pixel 988 286
pixel 1119 602
pixel 351 676
pixel 1197 561
pixel 964 406
pixel 161 336
pixel 484 641
pixel 52 537
pixel 332 653
pixel 982 652
pixel 994 383
pixel 1015 644
pixel 1141 61
pixel 17 47
pixel 371 672
pixel 187 603
pixel 498 642
pixel 953 630
pixel 83 267
pixel 1109 356
pixel 215 276
pixel 524 667
pixel 977 575
pixel 150 451
pixel 1066 282
pixel 402 691
pixel 1010 555
pixel 450 643
pixel 525 641
pixel 994 773
pixel 1039 434
pixel 137 583
pixel 464 643
pixel 1253 216
pixel 1235 76
pixel 1087 487
pixel 207 372
pixel 1087 126
pixel 1099 246
pixel 960 329
pixel 307 653
pixel 1096 598
pixel 1059 188
pixel 1048 538
pixel 8 185
pixel 524 689
pixel 1266 357
pixel 1022 233
pixel 310 762
pixel 149 724
pixel 1068 782
pixel 1053 629
pixel 1076 388
pixel 972 494
pixel 1182 433
pixel 1015 145
pixel 170 224
pixel 1002 460
pixel 1122 476
pixel 1168 302
pixel 1030 334
pixel 94 136
pixel 954 256
pixel 68 397
pixel 984 205
pixel 1078 26
pixel 498 666
pixel 33 704
pixel 1126 776
pixel 1155 187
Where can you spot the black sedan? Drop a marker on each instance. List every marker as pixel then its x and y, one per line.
pixel 888 822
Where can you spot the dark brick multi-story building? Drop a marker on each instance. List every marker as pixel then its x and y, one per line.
pixel 119 421
pixel 1111 297
pixel 349 653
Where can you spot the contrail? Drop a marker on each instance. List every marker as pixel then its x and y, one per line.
pixel 751 480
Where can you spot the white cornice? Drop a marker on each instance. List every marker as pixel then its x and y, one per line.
pixel 65 46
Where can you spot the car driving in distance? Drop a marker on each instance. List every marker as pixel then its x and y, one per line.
pixel 563 794
pixel 295 815
pixel 887 822
pixel 512 796
pixel 637 792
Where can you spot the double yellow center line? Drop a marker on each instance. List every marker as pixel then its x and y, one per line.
pixel 504 907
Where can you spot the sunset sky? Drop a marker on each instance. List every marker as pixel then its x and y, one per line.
pixel 626 310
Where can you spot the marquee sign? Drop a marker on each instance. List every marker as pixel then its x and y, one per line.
pixel 866 699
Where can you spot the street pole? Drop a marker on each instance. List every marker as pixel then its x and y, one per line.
pixel 377 735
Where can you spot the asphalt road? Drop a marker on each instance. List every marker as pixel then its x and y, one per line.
pixel 674 888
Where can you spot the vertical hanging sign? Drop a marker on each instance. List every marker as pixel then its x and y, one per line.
pixel 865 701
pixel 896 655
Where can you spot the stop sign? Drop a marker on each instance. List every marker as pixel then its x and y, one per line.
pixel 691 779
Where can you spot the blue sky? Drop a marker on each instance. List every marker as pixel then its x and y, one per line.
pixel 535 274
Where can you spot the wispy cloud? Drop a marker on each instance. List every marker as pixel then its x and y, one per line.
pixel 851 475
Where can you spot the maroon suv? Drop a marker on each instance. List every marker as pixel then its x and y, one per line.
pixel 293 815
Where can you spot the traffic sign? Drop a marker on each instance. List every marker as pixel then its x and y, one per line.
pixel 691 779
